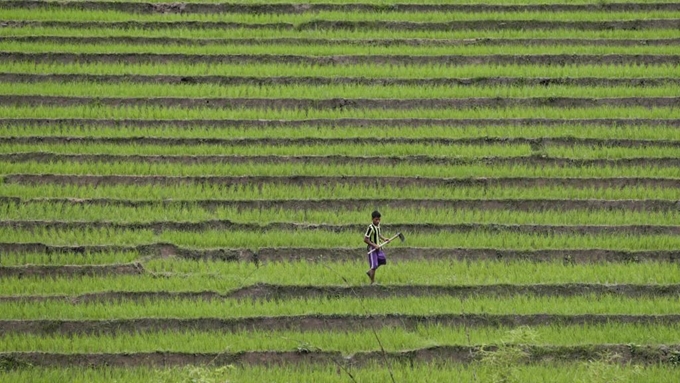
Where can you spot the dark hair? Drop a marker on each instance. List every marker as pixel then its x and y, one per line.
pixel 375 214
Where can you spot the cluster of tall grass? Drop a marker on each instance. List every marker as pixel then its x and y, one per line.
pixel 168 113
pixel 56 14
pixel 47 211
pixel 338 170
pixel 322 149
pixel 340 190
pixel 177 275
pixel 59 259
pixel 392 339
pixel 249 34
pixel 330 373
pixel 300 91
pixel 232 308
pixel 335 49
pixel 348 70
pixel 602 132
pixel 326 241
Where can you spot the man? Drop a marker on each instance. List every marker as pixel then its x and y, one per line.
pixel 372 238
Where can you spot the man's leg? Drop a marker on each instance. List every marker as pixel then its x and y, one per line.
pixel 373 264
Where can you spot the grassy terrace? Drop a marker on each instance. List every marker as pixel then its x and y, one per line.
pixel 296 19
pixel 421 1
pixel 334 49
pixel 357 151
pixel 190 308
pixel 283 170
pixel 420 373
pixel 188 213
pixel 424 132
pixel 162 113
pixel 189 185
pixel 328 240
pixel 84 89
pixel 271 191
pixel 347 343
pixel 327 71
pixel 251 36
pixel 224 277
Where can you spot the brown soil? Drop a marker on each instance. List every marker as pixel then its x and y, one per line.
pixel 352 254
pixel 44 179
pixel 646 354
pixel 70 270
pixel 363 25
pixel 132 58
pixel 340 122
pixel 342 103
pixel 322 41
pixel 288 80
pixel 359 204
pixel 280 292
pixel 318 323
pixel 225 225
pixel 235 7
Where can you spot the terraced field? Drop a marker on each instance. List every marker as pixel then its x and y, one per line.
pixel 185 188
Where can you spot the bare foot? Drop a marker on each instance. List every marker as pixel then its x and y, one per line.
pixel 371 274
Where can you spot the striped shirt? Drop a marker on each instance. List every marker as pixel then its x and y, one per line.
pixel 373 233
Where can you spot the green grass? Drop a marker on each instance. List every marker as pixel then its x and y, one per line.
pixel 392 339
pixel 273 191
pixel 326 241
pixel 361 70
pixel 335 49
pixel 161 113
pixel 92 89
pixel 321 149
pixel 339 170
pixel 358 34
pixel 429 373
pixel 360 151
pixel 221 277
pixel 301 18
pixel 387 2
pixel 87 258
pixel 187 213
pixel 190 308
pixel 668 133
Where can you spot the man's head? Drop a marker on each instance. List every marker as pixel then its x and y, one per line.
pixel 376 217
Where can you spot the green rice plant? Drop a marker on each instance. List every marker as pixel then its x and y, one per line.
pixel 393 339
pixel 612 152
pixel 71 15
pixel 61 211
pixel 334 49
pixel 223 277
pixel 379 150
pixel 161 113
pixel 359 191
pixel 326 241
pixel 339 170
pixel 237 148
pixel 417 373
pixel 388 2
pixel 87 258
pixel 92 89
pixel 248 34
pixel 191 308
pixel 631 132
pixel 355 70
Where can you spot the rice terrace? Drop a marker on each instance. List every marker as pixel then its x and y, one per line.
pixel 189 191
